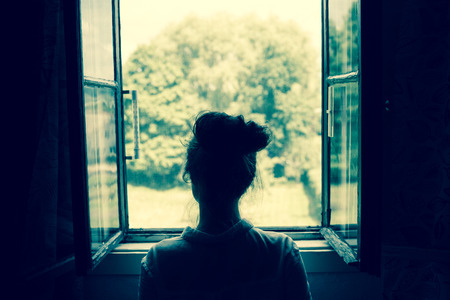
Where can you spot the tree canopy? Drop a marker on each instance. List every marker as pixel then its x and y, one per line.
pixel 265 69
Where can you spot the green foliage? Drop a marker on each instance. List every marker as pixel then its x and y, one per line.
pixel 264 69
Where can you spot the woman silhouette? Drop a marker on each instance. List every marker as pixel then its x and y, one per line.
pixel 225 257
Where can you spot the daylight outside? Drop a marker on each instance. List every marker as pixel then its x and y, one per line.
pixel 261 59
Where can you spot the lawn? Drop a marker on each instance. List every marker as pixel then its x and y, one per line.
pixel 284 204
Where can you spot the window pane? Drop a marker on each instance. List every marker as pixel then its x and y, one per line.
pixel 344 162
pixel 241 57
pixel 102 163
pixel 97 37
pixel 343 43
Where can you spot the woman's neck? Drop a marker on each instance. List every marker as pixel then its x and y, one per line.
pixel 218 220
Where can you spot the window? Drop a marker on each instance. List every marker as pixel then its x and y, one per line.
pixel 101 92
pixel 125 169
pixel 342 139
pixel 262 61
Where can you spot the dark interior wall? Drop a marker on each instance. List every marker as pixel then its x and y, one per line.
pixel 416 201
pixel 416 205
pixel 38 202
pixel 419 126
pixel 348 286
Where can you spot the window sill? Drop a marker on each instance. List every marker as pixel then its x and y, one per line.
pixel 317 256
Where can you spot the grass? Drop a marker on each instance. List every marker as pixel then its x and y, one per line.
pixel 283 204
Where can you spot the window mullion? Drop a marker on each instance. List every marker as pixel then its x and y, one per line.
pixel 343 78
pixel 121 164
pixel 325 139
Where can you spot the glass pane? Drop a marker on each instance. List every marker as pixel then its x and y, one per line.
pixel 241 57
pixel 102 163
pixel 344 161
pixel 343 43
pixel 97 35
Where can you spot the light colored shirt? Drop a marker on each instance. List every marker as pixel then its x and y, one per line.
pixel 244 262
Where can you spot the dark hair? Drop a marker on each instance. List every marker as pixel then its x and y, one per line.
pixel 221 157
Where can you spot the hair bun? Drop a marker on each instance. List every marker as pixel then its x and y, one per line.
pixel 224 134
pixel 256 137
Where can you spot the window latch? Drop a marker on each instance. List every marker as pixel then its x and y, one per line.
pixel 330 111
pixel 136 133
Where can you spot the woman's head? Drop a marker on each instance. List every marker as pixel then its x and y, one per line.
pixel 221 157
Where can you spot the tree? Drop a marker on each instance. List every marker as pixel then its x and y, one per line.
pixel 263 69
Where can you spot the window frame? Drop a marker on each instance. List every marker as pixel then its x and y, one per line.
pixel 137 235
pixel 328 231
pixel 366 217
pixel 85 258
pixel 373 157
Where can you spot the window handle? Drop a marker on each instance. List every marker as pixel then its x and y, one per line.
pixel 330 111
pixel 136 133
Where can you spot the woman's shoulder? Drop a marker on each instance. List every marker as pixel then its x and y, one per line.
pixel 272 239
pixel 271 235
pixel 167 245
pixel 162 250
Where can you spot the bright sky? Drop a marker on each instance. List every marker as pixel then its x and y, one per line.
pixel 143 19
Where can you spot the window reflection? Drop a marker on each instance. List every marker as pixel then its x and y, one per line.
pixel 343 36
pixel 344 155
pixel 97 39
pixel 102 163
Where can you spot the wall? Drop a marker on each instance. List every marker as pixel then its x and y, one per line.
pixel 324 286
pixel 416 209
pixel 329 277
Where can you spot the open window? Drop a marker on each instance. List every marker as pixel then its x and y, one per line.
pixel 262 63
pixel 101 207
pixel 134 189
pixel 341 139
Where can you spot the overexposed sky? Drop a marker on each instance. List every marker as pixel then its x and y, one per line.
pixel 143 19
